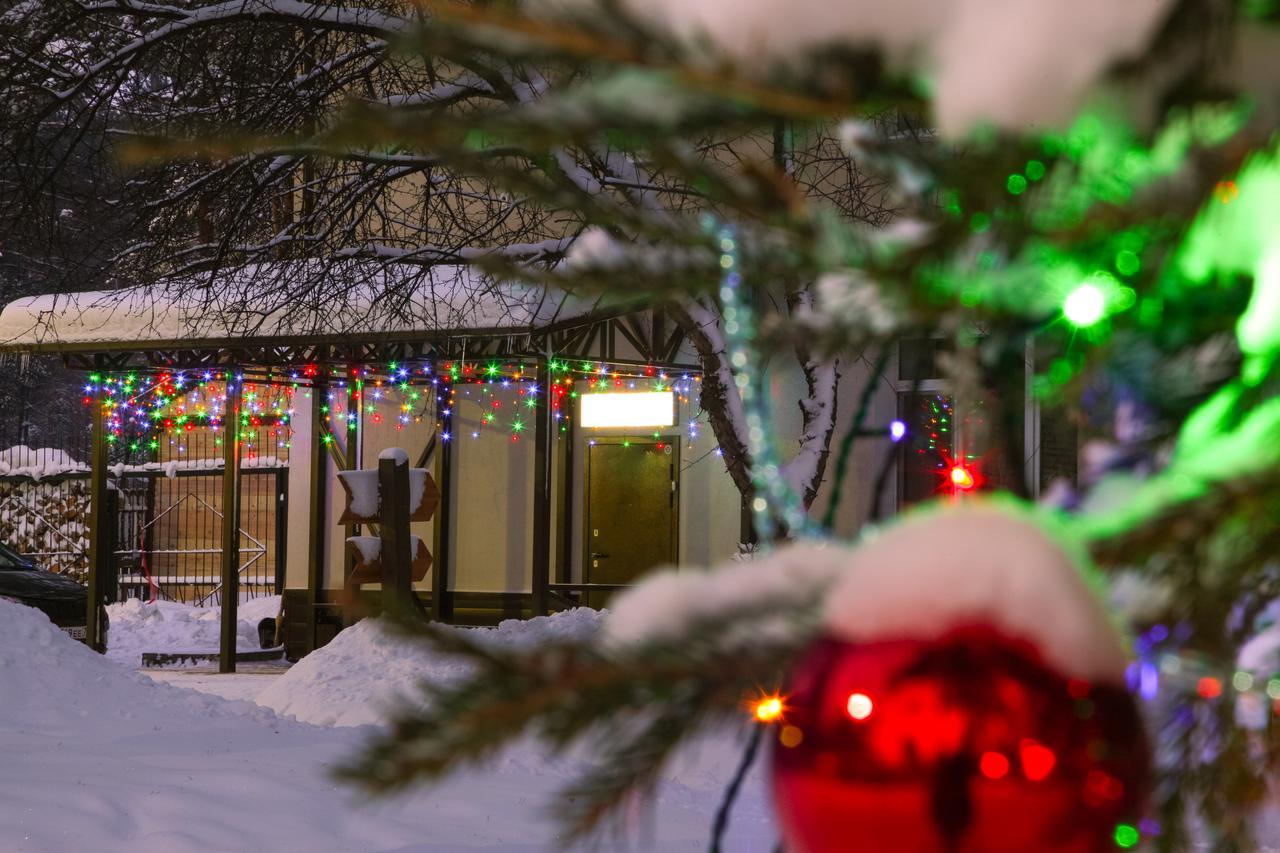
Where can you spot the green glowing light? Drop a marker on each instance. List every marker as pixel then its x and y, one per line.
pixel 979 222
pixel 1126 836
pixel 1035 170
pixel 516 426
pixel 1085 305
pixel 1016 184
pixel 1127 262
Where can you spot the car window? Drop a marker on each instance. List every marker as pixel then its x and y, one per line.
pixel 10 559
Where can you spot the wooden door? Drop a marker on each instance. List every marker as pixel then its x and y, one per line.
pixel 631 518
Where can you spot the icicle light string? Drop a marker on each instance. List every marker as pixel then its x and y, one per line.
pixel 176 402
pixel 774 497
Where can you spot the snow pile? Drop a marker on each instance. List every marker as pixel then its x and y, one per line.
pixel 100 758
pixel 367 669
pixel 977 564
pixel 168 626
pixel 171 468
pixel 1010 62
pixel 920 578
pixel 666 603
pixel 53 682
pixel 38 462
pixel 362 492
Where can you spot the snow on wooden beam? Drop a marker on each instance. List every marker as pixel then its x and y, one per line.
pixel 281 304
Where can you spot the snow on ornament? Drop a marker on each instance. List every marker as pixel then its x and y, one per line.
pixel 967 695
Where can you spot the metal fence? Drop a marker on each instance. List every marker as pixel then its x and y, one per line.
pixel 167 517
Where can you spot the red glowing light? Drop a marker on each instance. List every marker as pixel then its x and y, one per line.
pixel 962 478
pixel 1209 688
pixel 1037 760
pixel 993 765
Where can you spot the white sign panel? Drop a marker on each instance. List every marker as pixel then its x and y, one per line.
pixel 628 409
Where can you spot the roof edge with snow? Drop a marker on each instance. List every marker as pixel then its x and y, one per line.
pixel 247 308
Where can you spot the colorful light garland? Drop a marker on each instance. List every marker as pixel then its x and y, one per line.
pixel 143 408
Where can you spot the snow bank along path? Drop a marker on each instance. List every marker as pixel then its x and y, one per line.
pixel 97 757
pixel 168 626
pixel 365 670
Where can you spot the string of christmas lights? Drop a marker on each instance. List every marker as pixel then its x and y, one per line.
pixel 146 409
pixel 142 410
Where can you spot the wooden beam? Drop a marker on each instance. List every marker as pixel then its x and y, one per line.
pixel 230 523
pixel 393 526
pixel 564 543
pixel 351 462
pixel 442 547
pixel 317 514
pixel 542 437
pixel 99 527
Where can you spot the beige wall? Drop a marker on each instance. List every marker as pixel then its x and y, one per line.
pixel 493 499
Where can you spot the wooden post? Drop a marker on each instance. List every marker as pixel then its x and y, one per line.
pixel 282 527
pixel 230 523
pixel 564 542
pixel 393 527
pixel 351 460
pixel 99 521
pixel 441 552
pixel 317 513
pixel 542 435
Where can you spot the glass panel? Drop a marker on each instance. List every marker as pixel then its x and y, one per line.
pixel 928 445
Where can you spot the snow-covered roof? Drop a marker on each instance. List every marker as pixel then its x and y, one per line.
pixel 278 304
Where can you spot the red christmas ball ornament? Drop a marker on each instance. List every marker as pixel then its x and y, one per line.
pixel 943 717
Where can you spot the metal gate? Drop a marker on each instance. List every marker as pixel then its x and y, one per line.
pixel 168 525
pixel 170 535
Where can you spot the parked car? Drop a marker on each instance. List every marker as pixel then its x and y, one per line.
pixel 63 600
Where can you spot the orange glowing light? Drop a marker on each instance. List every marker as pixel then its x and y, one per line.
pixel 962 478
pixel 769 709
pixel 859 706
pixel 1209 688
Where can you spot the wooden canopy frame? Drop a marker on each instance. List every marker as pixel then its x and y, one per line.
pixel 648 338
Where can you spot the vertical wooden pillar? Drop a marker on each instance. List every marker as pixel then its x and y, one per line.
pixel 542 437
pixel 351 462
pixel 230 523
pixel 317 512
pixel 282 527
pixel 441 551
pixel 100 521
pixel 564 542
pixel 393 528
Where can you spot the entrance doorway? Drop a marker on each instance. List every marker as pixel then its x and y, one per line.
pixel 632 514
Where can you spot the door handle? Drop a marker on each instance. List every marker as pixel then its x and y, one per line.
pixel 596 555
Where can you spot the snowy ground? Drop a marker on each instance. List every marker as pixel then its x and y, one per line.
pixel 100 757
pixel 168 626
